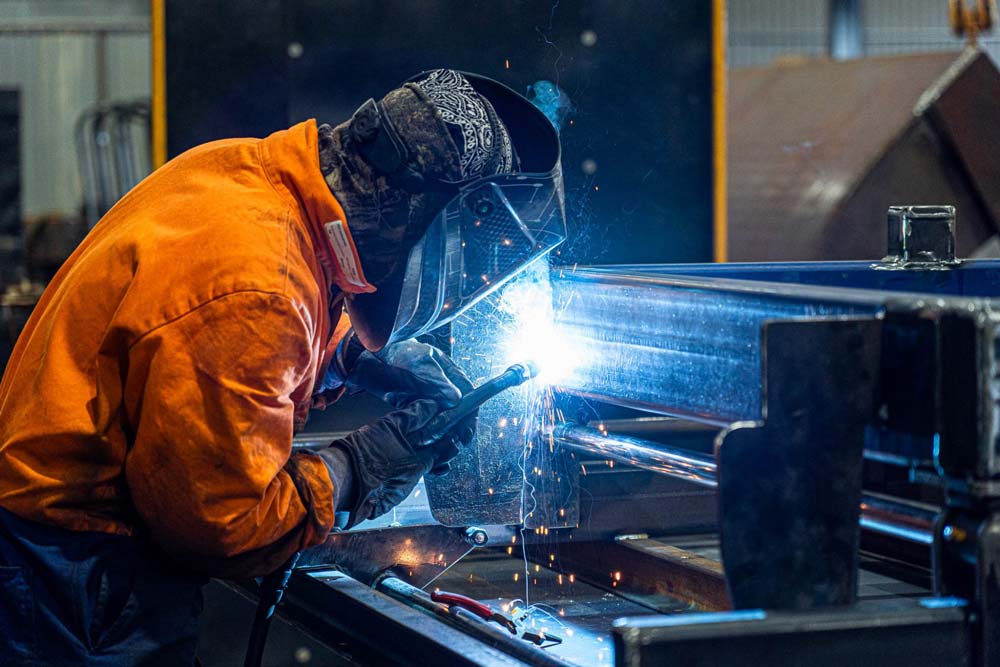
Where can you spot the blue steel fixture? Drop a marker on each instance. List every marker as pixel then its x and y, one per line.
pixel 696 346
pixel 808 368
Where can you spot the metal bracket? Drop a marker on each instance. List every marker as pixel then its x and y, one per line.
pixel 920 237
pixel 790 486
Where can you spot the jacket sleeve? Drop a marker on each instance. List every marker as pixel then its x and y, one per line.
pixel 211 399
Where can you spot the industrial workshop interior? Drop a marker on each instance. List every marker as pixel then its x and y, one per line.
pixel 500 333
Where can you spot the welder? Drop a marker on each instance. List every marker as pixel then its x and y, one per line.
pixel 147 411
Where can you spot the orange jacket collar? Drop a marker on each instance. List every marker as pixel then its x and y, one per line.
pixel 291 159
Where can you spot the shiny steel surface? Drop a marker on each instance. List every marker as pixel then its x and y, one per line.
pixel 688 347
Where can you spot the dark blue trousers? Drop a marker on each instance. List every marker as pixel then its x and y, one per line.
pixel 88 598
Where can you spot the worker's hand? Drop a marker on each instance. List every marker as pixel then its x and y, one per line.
pixel 385 460
pixel 406 371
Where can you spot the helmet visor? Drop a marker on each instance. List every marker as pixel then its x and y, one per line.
pixel 485 236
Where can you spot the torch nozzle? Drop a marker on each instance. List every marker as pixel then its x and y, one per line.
pixel 528 369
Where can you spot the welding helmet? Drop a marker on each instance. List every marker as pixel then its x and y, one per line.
pixel 491 227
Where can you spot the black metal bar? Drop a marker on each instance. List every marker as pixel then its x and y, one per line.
pixel 929 631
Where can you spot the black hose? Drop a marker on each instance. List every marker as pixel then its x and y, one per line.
pixel 272 589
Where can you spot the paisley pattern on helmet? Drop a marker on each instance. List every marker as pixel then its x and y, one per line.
pixel 483 153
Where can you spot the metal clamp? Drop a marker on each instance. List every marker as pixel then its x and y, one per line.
pixel 921 238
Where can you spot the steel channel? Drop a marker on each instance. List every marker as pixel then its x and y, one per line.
pixel 689 347
pixel 880 514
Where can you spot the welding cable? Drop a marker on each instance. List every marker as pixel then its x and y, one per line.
pixel 468 622
pixel 481 610
pixel 271 590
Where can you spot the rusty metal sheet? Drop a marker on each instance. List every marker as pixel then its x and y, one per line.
pixel 819 149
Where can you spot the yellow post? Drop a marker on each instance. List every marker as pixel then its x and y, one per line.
pixel 158 111
pixel 719 225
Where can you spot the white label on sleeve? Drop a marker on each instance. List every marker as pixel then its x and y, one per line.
pixel 344 253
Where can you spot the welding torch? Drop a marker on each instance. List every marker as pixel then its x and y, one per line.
pixel 438 428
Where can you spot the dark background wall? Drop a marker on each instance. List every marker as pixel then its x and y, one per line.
pixel 11 231
pixel 637 143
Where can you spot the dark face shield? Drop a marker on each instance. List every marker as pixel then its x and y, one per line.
pixel 486 235
pixel 490 229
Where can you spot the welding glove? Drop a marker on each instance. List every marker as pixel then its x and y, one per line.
pixel 378 465
pixel 399 373
pixel 403 372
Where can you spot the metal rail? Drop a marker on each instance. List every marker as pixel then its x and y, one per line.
pixel 879 514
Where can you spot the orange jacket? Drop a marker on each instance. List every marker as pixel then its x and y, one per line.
pixel 156 385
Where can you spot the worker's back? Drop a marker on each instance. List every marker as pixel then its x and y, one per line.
pixel 221 221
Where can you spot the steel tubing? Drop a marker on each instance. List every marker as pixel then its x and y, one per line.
pixel 640 453
pixel 879 514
